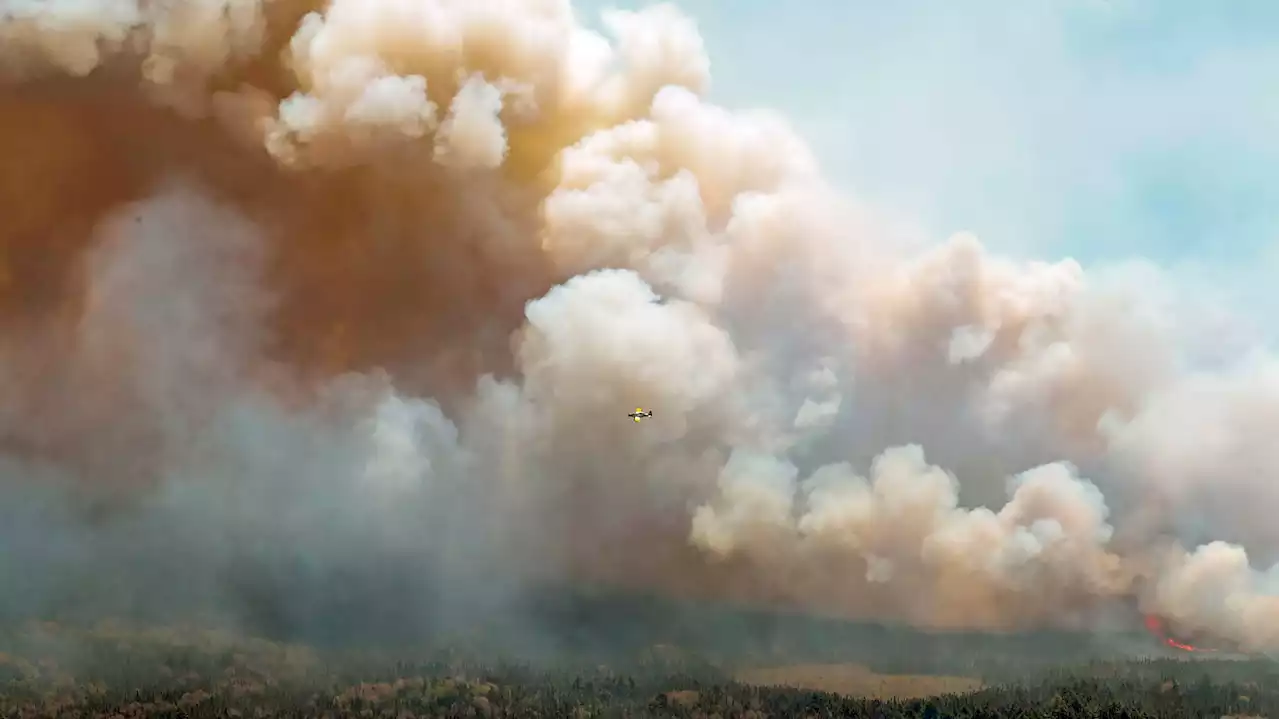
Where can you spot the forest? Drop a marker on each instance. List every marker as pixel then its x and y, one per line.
pixel 624 657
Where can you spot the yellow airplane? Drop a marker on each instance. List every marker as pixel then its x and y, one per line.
pixel 640 414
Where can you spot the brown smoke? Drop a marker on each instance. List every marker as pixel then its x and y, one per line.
pixel 378 279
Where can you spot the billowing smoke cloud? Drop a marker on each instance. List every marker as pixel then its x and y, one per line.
pixel 300 299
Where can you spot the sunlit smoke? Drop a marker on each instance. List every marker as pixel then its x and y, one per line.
pixel 298 299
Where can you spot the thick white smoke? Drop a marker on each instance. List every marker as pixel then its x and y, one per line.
pixel 367 290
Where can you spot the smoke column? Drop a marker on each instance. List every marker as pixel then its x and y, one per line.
pixel 359 294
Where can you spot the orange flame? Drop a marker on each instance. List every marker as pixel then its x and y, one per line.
pixel 1156 626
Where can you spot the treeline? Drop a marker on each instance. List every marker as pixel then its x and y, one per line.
pixel 560 697
pixel 119 672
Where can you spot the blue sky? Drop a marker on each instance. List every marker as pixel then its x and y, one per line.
pixel 1101 130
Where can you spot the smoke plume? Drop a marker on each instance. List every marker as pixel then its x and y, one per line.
pixel 300 298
